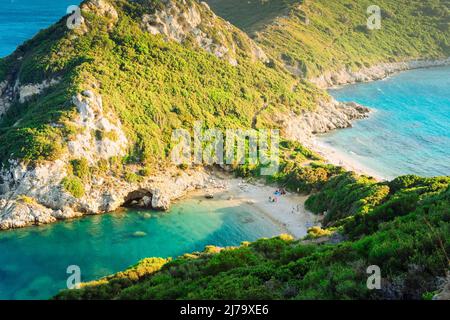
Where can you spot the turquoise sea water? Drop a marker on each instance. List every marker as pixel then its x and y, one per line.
pixel 34 261
pixel 21 19
pixel 410 131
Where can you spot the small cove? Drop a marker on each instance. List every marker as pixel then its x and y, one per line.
pixel 33 261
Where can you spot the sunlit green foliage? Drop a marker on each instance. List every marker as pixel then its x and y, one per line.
pixel 251 16
pixel 330 35
pixel 360 204
pixel 74 186
pixel 152 85
pixel 411 249
pixel 80 168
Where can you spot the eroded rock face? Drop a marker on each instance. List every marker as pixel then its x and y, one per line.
pixel 377 72
pixel 5 97
pixel 181 20
pixel 328 116
pixel 41 182
pixel 13 91
pixel 17 214
pixel 50 202
pixel 101 136
pixel 102 8
pixel 444 292
pixel 29 90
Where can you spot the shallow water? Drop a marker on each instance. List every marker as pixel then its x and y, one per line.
pixel 33 261
pixel 410 131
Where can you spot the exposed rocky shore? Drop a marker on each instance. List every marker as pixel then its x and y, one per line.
pixel 332 79
pixel 330 115
pixel 37 197
pixel 33 194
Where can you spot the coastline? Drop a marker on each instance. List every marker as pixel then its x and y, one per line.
pixel 33 200
pixel 335 80
pixel 288 212
pixel 339 158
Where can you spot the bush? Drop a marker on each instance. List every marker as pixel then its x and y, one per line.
pixel 318 232
pixel 74 186
pixel 80 168
pixel 26 199
pixel 132 177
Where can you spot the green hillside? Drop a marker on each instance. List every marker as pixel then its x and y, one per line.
pixel 251 16
pixel 329 35
pixel 403 229
pixel 153 86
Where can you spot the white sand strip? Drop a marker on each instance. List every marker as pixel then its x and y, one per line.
pixel 342 159
pixel 288 212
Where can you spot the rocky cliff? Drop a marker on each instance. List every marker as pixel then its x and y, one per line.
pixel 83 160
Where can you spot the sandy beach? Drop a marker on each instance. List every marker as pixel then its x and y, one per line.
pixel 339 158
pixel 288 212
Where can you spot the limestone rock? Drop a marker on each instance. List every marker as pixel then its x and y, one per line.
pixel 92 119
pixel 328 116
pixel 444 293
pixel 182 20
pixel 29 90
pixel 18 214
pixel 377 72
pixel 160 201
pixel 102 8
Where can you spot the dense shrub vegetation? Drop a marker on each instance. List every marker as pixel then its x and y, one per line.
pixel 152 85
pixel 411 247
pixel 301 170
pixel 359 204
pixel 324 35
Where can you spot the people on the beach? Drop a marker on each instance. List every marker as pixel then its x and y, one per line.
pixel 273 199
pixel 277 193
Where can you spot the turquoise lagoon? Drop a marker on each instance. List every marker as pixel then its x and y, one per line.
pixel 34 261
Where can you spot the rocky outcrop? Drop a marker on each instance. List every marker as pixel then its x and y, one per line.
pixel 101 136
pixel 27 91
pixel 346 76
pixel 50 202
pixel 12 91
pixel 330 115
pixel 182 20
pixel 6 97
pixel 444 292
pixel 101 8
